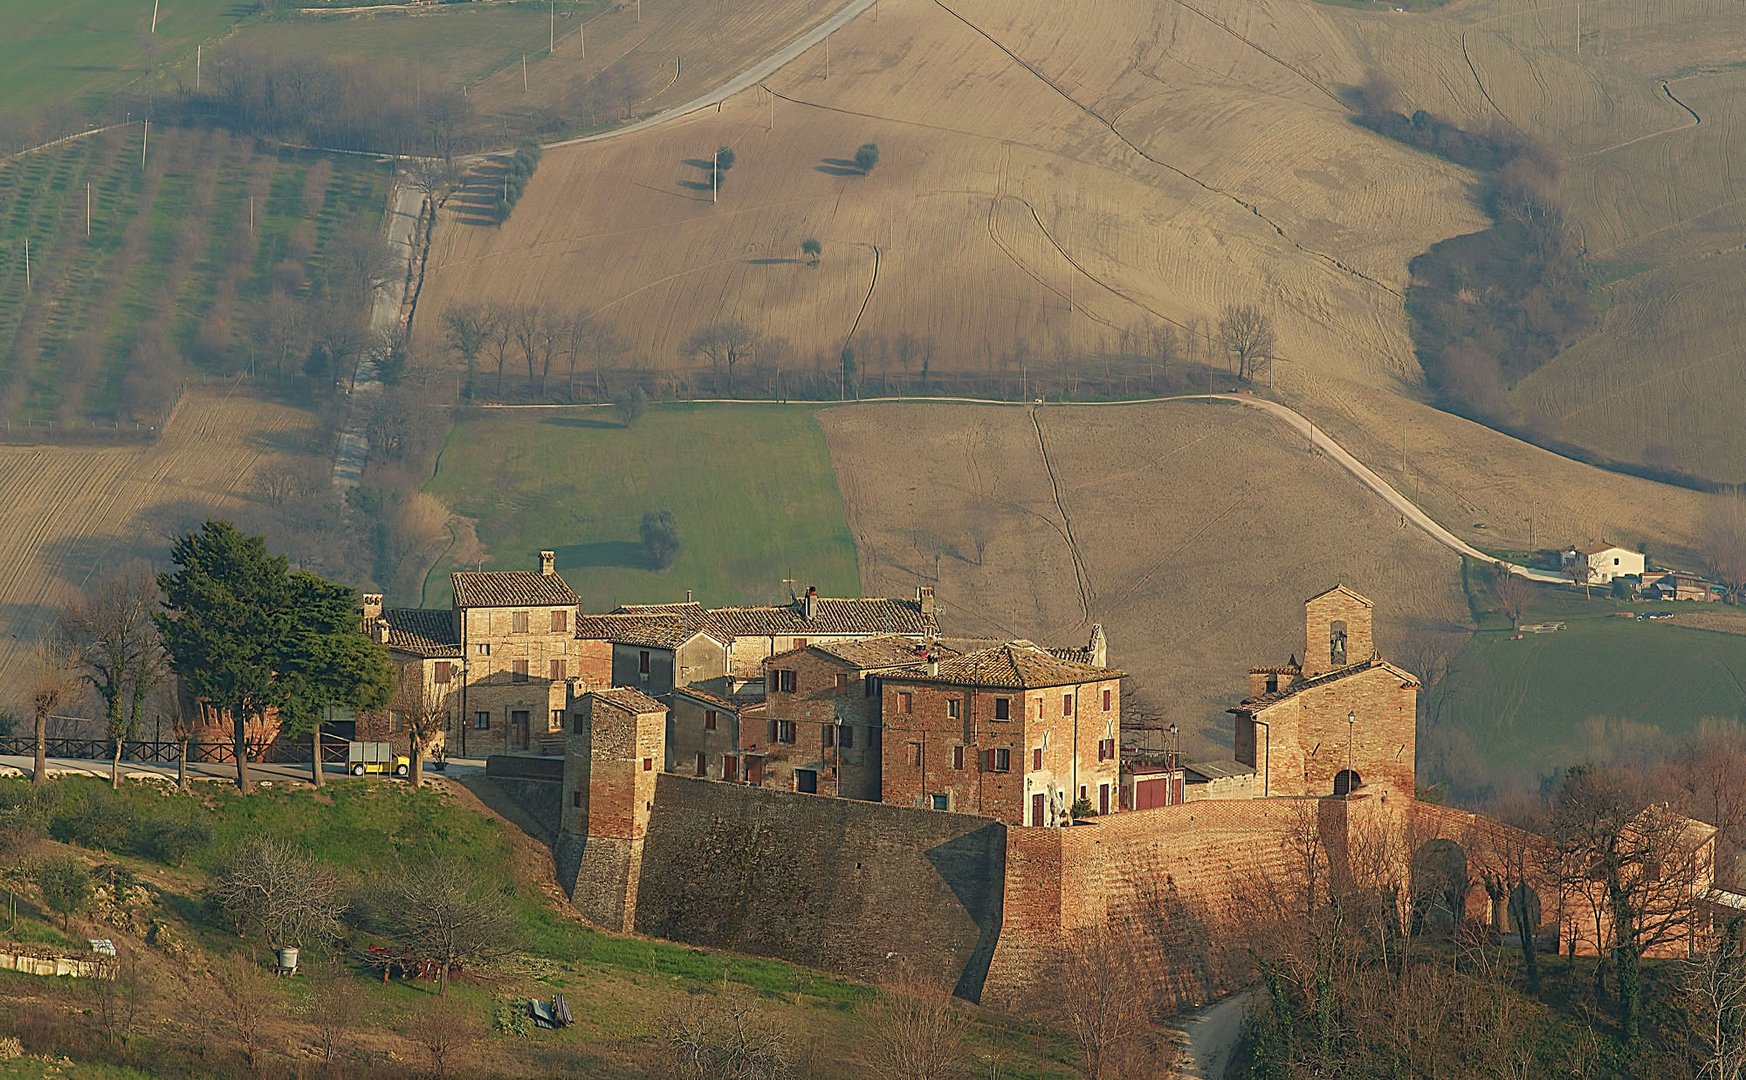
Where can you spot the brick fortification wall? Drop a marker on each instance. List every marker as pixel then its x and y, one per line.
pixel 847 886
pixel 1166 881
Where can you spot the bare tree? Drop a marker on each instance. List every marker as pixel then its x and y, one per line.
pixel 334 1008
pixel 359 259
pixel 435 176
pixel 912 1032
pixel 1640 861
pixel 184 718
pixel 1581 573
pixel 728 1039
pixel 424 711
pixel 1715 987
pixel 1724 544
pixel 446 1028
pixel 273 890
pixel 499 335
pixel 112 641
pixel 1104 1004
pixel 50 682
pixel 1246 333
pixel 466 331
pixel 116 1001
pixel 248 1005
pixel 1513 593
pixel 527 326
pixel 724 345
pixel 444 914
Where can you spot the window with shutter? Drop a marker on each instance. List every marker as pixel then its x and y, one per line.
pixel 827 736
pixel 784 681
pixel 559 670
pixel 847 739
pixel 518 622
pixel 730 767
pixel 1036 757
pixel 1108 697
pixel 702 764
pixel 709 720
pixel 560 622
pixel 441 672
pixel 957 757
pixel 905 701
pixel 1066 704
pixel 1002 708
pixel 643 662
pixel 843 680
pixel 519 671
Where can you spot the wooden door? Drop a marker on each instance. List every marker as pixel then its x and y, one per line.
pixel 518 729
pixel 1037 806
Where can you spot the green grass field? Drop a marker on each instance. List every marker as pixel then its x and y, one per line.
pixel 1605 685
pixel 459 45
pixel 84 50
pixel 751 486
pixel 171 267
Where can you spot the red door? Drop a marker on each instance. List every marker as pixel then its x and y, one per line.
pixel 1103 798
pixel 1151 793
pixel 1037 809
pixel 754 770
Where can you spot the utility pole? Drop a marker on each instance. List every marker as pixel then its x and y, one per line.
pixel 582 36
pixel 524 73
pixel 197 49
pixel 154 16
pixel 27 264
pixel 639 12
pixel 87 209
pixel 143 137
pixel 251 213
pixel 714 173
pixel 552 29
pixel 827 57
pixel 770 100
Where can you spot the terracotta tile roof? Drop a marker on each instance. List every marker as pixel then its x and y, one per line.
pixel 860 615
pixel 648 630
pixel 1013 666
pixel 628 699
pixel 428 632
pixel 888 650
pixel 1219 770
pixel 510 588
pixel 1255 704
pixel 1362 599
pixel 709 698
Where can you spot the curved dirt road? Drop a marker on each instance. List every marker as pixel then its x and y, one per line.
pixel 763 69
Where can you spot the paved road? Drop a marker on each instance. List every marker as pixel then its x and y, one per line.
pixel 753 75
pixel 225 772
pixel 1212 1037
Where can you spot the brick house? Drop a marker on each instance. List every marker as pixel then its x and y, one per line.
pixel 703 729
pixel 1342 720
pixel 1012 732
pixel 821 723
pixel 518 633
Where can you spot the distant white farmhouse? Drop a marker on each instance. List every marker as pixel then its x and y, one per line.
pixel 1605 563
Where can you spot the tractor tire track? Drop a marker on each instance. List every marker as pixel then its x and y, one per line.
pixel 1081 578
pixel 1287 65
pixel 1483 92
pixel 1696 120
pixel 1668 90
pixel 1190 177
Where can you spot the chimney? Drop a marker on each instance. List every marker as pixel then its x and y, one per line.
pixel 933 666
pixel 924 598
pixel 372 608
pixel 381 631
pixel 548 563
pixel 809 603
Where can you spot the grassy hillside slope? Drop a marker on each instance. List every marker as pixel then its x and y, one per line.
pixel 751 487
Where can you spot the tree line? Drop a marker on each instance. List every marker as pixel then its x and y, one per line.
pixel 229 628
pixel 1491 307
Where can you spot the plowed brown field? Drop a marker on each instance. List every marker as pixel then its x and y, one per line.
pixel 74 513
pixel 1192 532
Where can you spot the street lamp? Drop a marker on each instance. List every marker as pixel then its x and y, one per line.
pixel 1351 719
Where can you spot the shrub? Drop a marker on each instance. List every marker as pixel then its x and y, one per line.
pixel 171 842
pixel 97 817
pixel 866 156
pixel 629 405
pixel 660 536
pixel 65 885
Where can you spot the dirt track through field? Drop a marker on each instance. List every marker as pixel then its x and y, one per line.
pixel 1087 598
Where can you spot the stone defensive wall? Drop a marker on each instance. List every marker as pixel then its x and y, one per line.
pixel 854 887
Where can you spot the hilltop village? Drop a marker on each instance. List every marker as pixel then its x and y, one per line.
pixel 860 786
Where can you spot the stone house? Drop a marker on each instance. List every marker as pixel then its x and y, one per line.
pixel 517 630
pixel 703 729
pixel 1677 586
pixel 427 657
pixel 750 635
pixel 821 723
pixel 1341 721
pixel 1012 733
pixel 655 653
